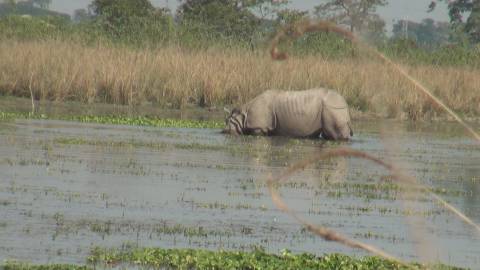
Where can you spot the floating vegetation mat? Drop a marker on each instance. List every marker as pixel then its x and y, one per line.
pixel 157 258
pixel 119 120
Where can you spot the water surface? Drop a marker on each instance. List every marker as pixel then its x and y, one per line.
pixel 66 187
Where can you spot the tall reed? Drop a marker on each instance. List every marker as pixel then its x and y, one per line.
pixel 174 77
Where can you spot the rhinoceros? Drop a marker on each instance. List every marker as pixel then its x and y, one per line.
pixel 307 113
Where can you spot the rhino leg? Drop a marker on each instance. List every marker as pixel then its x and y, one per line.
pixel 315 135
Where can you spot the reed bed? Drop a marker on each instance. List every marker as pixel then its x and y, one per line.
pixel 175 77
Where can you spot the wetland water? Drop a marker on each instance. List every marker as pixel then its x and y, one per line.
pixel 66 187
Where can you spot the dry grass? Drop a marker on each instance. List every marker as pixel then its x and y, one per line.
pixel 171 76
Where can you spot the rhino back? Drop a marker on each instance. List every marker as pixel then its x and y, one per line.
pixel 298 113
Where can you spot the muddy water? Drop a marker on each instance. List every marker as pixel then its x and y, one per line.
pixel 66 187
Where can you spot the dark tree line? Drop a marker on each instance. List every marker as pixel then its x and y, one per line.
pixel 457 9
pixel 427 33
pixel 243 19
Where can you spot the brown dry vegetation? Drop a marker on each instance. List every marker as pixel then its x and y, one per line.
pixel 175 77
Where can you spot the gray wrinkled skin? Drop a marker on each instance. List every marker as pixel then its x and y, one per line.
pixel 308 113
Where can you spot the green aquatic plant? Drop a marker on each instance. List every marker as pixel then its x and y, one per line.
pixel 158 258
pixel 118 120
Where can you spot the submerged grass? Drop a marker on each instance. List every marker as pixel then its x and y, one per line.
pixel 136 144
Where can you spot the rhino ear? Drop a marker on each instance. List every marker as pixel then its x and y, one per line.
pixel 236 111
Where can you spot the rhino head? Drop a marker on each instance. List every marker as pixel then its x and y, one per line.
pixel 336 123
pixel 235 122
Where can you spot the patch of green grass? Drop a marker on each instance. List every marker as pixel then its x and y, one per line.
pixel 157 258
pixel 258 259
pixel 147 121
pixel 118 120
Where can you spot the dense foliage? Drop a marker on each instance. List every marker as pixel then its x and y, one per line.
pixel 358 15
pixel 427 34
pixel 223 17
pixel 30 7
pixel 457 9
pixel 240 23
